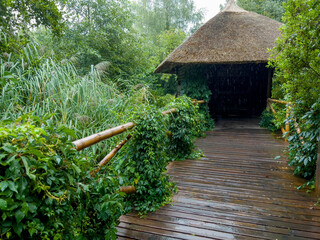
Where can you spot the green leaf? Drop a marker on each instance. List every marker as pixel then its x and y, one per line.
pixel 26 165
pixel 3 185
pixel 9 148
pixel 36 152
pixel 12 187
pixel 19 215
pixel 18 228
pixel 32 207
pixel 3 204
pixel 3 156
pixel 67 131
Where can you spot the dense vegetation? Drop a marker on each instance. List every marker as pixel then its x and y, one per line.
pixel 72 68
pixel 297 79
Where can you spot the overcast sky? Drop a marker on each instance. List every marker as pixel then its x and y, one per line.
pixel 211 7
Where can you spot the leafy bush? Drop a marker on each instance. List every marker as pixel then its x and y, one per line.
pixel 144 163
pixel 296 59
pixel 143 160
pixel 268 121
pixel 304 156
pixel 195 86
pixel 45 188
pixel 184 125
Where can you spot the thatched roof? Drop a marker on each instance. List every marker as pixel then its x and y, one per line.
pixel 232 36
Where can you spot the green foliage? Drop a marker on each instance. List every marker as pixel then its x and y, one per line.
pixel 19 16
pixel 270 8
pixel 304 156
pixel 297 63
pixel 98 31
pixel 156 16
pixel 46 191
pixel 195 86
pixel 185 125
pixel 143 160
pixel 268 121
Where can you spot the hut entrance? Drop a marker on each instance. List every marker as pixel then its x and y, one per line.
pixel 238 89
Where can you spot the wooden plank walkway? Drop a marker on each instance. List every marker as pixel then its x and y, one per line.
pixel 238 191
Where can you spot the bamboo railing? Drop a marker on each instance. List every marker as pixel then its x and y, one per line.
pixel 98 137
pixel 298 130
pixel 285 131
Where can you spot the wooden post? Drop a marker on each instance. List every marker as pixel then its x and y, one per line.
pixel 318 171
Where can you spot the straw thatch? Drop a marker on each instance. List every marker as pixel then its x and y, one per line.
pixel 232 36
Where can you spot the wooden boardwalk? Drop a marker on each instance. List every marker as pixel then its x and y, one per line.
pixel 238 191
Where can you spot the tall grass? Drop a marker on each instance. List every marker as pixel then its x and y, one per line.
pixel 86 104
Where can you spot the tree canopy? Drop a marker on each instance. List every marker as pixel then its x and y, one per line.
pixel 270 8
pixel 156 16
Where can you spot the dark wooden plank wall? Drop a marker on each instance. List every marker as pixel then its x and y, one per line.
pixel 238 89
pixel 238 191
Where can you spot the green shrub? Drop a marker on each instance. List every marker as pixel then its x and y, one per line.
pixel 143 163
pixel 143 160
pixel 268 121
pixel 184 126
pixel 304 156
pixel 45 188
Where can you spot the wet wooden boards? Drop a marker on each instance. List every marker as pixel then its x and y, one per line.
pixel 238 191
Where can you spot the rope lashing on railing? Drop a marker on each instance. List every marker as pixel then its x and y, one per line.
pixel 98 137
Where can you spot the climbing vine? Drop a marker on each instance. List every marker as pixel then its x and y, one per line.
pixel 185 125
pixel 155 141
pixel 48 191
pixel 194 85
pixel 45 188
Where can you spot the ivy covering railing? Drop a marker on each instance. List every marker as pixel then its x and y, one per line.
pixel 98 137
pixel 49 190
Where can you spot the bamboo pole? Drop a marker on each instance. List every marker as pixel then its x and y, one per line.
pixel 128 189
pixel 95 138
pixel 173 110
pixel 278 101
pixel 296 125
pixel 107 158
pixel 317 177
pixel 274 112
pixel 195 101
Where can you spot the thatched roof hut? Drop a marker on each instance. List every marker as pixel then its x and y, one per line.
pixel 228 55
pixel 232 36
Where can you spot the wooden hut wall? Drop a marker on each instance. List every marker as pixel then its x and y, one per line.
pixel 238 89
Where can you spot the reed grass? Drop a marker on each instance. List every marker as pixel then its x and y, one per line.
pixel 87 104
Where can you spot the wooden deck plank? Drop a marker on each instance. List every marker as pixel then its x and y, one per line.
pixel 237 191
